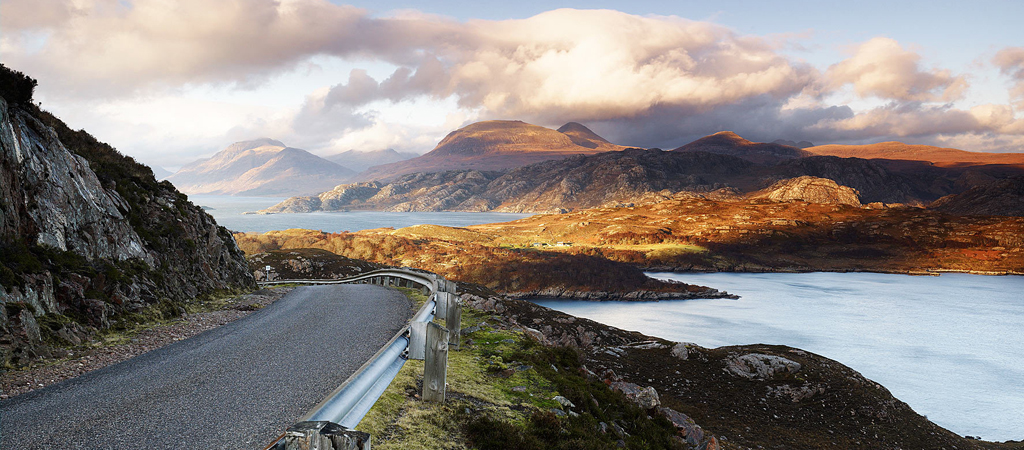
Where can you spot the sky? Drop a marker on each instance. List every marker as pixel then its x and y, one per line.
pixel 171 81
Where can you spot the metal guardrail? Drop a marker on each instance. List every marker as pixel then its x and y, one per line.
pixel 350 402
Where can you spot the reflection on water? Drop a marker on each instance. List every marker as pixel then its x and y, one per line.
pixel 949 346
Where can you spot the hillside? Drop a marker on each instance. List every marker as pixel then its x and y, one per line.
pixel 262 167
pixel 940 156
pixel 999 198
pixel 90 240
pixel 497 145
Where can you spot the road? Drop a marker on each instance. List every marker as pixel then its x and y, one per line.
pixel 234 387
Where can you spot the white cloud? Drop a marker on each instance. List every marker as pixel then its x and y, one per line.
pixel 881 67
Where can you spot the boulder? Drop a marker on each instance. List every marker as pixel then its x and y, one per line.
pixel 645 397
pixel 758 366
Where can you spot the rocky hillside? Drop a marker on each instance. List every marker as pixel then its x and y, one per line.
pixel 999 198
pixel 497 145
pixel 262 167
pixel 89 238
pixel 612 178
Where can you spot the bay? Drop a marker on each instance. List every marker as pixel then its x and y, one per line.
pixel 228 211
pixel 949 346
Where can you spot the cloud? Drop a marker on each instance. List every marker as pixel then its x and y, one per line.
pixel 642 80
pixel 1010 61
pixel 882 68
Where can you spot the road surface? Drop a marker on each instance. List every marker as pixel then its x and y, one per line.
pixel 234 387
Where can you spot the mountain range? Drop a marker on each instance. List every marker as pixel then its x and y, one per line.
pixel 720 164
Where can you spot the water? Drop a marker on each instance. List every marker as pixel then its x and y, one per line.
pixel 228 212
pixel 948 346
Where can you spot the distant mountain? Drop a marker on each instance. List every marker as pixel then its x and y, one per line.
pixel 940 156
pixel 729 143
pixel 262 167
pixel 360 161
pixel 801 144
pixel 498 145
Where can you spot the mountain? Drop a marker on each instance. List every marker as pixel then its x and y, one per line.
pixel 89 238
pixel 497 145
pixel 729 143
pixel 940 156
pixel 999 198
pixel 262 167
pixel 360 161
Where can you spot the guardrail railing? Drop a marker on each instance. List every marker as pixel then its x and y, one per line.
pixel 329 425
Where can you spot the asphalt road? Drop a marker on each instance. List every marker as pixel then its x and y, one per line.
pixel 234 387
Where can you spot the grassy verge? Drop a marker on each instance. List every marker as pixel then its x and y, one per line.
pixel 501 394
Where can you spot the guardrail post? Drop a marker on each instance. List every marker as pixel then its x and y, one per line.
pixel 417 340
pixel 435 366
pixel 441 305
pixel 322 435
pixel 453 320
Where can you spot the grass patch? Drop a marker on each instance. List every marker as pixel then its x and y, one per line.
pixel 501 389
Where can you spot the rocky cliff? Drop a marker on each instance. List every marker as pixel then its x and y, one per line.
pixel 89 238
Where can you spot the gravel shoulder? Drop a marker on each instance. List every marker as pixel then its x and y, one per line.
pixel 87 358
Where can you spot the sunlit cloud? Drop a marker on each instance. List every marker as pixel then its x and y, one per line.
pixel 640 80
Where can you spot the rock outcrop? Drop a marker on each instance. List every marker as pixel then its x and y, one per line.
pixel 88 236
pixel 812 190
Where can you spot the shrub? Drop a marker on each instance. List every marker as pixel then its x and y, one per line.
pixel 16 87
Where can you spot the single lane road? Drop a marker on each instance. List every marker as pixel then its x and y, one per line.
pixel 234 387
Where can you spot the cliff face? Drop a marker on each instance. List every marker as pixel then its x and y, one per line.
pixel 89 237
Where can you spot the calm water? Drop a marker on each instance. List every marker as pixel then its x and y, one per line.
pixel 228 212
pixel 951 347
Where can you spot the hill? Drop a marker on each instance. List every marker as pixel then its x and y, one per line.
pixel 729 143
pixel 940 156
pixel 90 240
pixel 497 145
pixel 262 167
